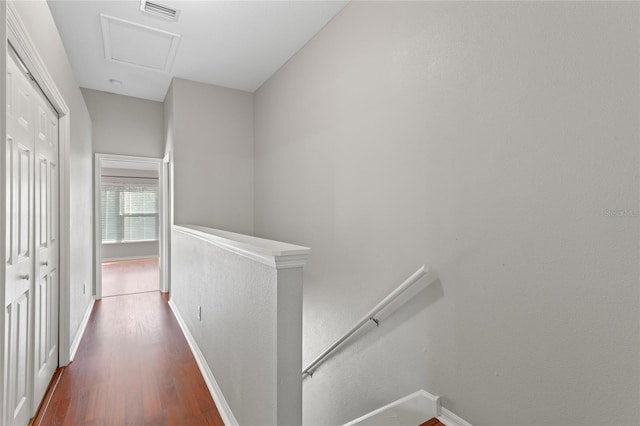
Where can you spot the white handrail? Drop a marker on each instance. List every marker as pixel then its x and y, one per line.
pixel 370 316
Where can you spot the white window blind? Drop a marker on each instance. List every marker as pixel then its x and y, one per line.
pixel 129 213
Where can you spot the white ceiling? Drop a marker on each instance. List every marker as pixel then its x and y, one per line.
pixel 236 44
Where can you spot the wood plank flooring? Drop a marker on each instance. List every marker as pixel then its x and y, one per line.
pixel 133 367
pixel 130 276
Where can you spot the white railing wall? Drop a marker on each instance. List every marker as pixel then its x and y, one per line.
pixel 239 300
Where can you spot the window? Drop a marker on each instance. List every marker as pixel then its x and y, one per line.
pixel 129 213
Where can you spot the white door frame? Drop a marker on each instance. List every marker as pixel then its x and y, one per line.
pixel 97 214
pixel 165 227
pixel 17 35
pixel 3 198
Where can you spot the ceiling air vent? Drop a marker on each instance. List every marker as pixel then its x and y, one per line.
pixel 159 10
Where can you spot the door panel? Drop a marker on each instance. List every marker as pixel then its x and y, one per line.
pixel 19 268
pixel 52 313
pixel 42 200
pixel 8 205
pixel 17 398
pixel 41 344
pixel 19 358
pixel 53 200
pixel 46 224
pixel 23 216
pixel 31 283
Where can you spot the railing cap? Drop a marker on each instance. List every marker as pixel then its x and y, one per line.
pixel 273 253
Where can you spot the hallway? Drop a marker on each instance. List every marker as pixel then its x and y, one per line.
pixel 133 367
pixel 130 276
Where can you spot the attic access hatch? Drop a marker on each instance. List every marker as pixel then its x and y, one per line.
pixel 139 45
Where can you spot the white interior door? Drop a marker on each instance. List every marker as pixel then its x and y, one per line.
pixel 31 286
pixel 45 349
pixel 19 250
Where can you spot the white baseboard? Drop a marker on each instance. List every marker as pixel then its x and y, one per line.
pixel 216 393
pixel 81 330
pixel 450 419
pixel 413 409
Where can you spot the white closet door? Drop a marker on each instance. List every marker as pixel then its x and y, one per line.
pixel 46 242
pixel 31 285
pixel 20 255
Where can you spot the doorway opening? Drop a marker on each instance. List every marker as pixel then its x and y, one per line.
pixel 128 211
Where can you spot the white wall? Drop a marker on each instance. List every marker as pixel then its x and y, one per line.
pixel 213 155
pixel 41 27
pixel 124 125
pixel 496 141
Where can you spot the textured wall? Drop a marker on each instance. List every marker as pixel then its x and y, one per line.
pixel 496 141
pixel 238 333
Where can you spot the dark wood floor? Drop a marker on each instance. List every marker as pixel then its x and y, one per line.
pixel 130 276
pixel 133 367
pixel 433 422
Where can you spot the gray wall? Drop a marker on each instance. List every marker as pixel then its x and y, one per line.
pixel 168 121
pixel 133 250
pixel 497 142
pixel 238 331
pixel 212 129
pixel 42 30
pixel 124 125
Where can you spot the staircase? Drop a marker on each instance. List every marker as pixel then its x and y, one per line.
pixel 433 422
pixel 412 410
